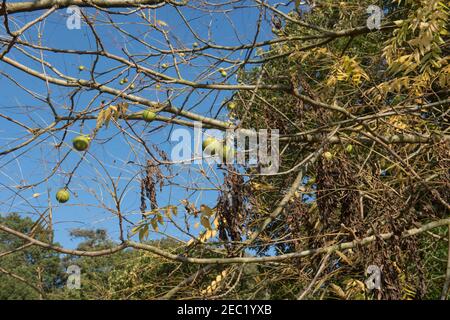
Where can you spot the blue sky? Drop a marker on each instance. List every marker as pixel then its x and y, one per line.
pixel 111 150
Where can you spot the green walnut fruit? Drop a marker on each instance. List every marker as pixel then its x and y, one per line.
pixel 81 142
pixel 81 68
pixel 223 73
pixel 349 148
pixel 164 66
pixel 148 115
pixel 208 142
pixel 212 146
pixel 195 44
pixel 227 154
pixel 327 155
pixel 62 195
pixel 232 105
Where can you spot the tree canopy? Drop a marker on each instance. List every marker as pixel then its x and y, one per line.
pixel 239 149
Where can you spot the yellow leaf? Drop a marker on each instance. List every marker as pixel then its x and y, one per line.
pixel 216 222
pixel 135 229
pixel 143 233
pixel 344 257
pixel 167 211
pixel 338 291
pixel 205 222
pixel 100 119
pixel 206 210
pixel 161 23
pixel 154 223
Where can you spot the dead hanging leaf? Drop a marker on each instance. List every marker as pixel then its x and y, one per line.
pixel 104 116
pixel 100 119
pixel 122 108
pixel 113 112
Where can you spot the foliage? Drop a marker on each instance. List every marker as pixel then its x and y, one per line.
pixel 39 269
pixel 363 123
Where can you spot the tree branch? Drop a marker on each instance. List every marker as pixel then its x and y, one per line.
pixel 184 259
pixel 46 4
